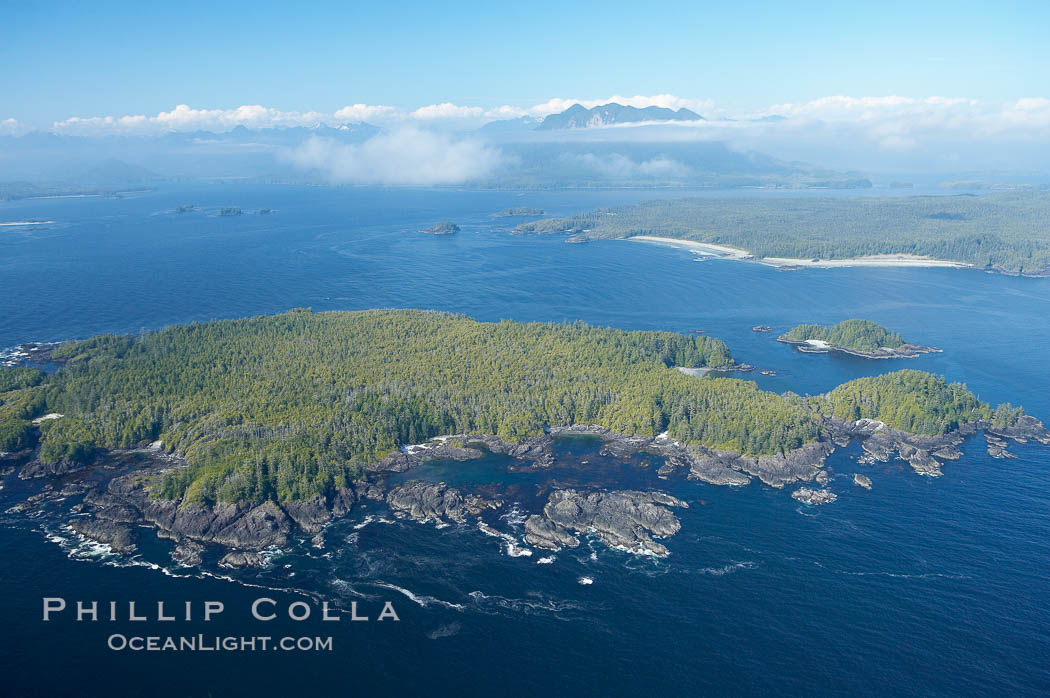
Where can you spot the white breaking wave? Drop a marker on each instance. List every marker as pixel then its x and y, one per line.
pixel 511 546
pixel 423 601
pixel 372 519
pixel 540 604
pixel 728 569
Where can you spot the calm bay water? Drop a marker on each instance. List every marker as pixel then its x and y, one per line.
pixel 921 586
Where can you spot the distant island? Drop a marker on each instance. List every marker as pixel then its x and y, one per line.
pixel 247 434
pixel 1003 232
pixel 442 228
pixel 857 337
pixel 14 191
pixel 519 211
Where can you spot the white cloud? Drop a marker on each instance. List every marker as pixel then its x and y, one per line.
pixel 185 118
pixel 618 166
pixel 447 110
pixel 897 123
pixel 11 127
pixel 894 132
pixel 505 112
pixel 365 112
pixel 403 156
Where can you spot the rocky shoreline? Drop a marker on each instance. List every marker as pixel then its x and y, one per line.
pixel 904 351
pixel 115 501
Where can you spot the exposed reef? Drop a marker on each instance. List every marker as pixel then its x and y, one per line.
pixel 814 497
pixel 862 481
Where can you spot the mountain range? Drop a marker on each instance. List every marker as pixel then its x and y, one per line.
pixel 578 116
pixel 567 149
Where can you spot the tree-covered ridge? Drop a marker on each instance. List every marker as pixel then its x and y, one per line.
pixel 18 377
pixel 294 403
pixel 21 399
pixel 1008 231
pixel 862 335
pixel 912 401
pixel 289 406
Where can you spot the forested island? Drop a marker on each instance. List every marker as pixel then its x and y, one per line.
pixel 857 337
pixel 442 228
pixel 1005 232
pixel 518 211
pixel 250 427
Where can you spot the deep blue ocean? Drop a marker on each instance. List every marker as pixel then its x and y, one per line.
pixel 919 587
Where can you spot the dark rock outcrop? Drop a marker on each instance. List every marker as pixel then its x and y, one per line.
pixel 997 446
pixel 253 528
pixel 258 527
pixel 118 536
pixel 188 553
pixel 238 559
pixel 38 468
pixel 311 515
pixel 814 497
pixel 544 533
pixel 1027 428
pixel 625 519
pixel 881 443
pixel 719 467
pixel 429 501
pixel 436 449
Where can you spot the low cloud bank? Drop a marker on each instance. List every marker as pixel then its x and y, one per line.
pixel 618 166
pixel 406 156
pixel 864 133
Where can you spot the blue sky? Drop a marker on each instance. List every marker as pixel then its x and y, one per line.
pixel 94 59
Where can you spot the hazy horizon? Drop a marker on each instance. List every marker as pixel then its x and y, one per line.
pixel 946 90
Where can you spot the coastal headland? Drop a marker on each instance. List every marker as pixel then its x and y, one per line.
pixel 312 419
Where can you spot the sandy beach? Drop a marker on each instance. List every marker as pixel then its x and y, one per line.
pixel 876 260
pixel 704 248
pixel 880 260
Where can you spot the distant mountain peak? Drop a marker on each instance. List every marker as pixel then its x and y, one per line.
pixel 579 116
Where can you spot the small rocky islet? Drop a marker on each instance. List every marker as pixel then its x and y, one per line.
pixel 860 338
pixel 441 228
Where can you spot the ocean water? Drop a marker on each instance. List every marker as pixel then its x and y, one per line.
pixel 918 587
